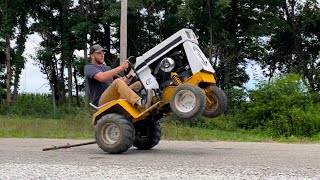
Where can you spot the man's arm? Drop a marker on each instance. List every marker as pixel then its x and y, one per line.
pixel 108 75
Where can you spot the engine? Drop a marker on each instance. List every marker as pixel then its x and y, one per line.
pixel 175 61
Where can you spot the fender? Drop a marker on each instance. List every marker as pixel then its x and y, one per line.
pixel 122 106
pixel 196 79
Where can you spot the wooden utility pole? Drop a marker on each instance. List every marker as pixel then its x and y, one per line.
pixel 85 11
pixel 123 31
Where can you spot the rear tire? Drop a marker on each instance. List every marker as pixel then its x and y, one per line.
pixel 219 102
pixel 114 133
pixel 148 134
pixel 188 101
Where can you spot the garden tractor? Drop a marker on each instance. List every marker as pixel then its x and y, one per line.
pixel 176 77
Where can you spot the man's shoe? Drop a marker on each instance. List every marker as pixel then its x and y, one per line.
pixel 146 101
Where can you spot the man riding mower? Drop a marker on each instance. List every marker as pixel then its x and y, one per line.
pixel 176 76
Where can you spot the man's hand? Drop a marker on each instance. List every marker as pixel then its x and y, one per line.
pixel 124 65
pixel 108 75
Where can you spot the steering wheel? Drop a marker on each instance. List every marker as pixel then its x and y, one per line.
pixel 132 61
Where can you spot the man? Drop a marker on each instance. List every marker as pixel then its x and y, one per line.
pixel 104 82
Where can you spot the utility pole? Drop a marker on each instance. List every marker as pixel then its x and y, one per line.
pixel 85 11
pixel 123 31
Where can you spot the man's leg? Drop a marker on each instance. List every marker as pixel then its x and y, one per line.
pixel 136 85
pixel 118 89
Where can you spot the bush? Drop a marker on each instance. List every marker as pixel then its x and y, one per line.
pixel 223 122
pixel 297 122
pixel 28 104
pixel 38 105
pixel 283 107
pixel 236 98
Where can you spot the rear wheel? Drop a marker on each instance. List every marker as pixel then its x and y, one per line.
pixel 114 133
pixel 148 134
pixel 218 103
pixel 188 101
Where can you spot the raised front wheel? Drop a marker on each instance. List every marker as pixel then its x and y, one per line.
pixel 187 101
pixel 216 103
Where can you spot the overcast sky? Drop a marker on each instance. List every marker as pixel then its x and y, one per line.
pixel 32 80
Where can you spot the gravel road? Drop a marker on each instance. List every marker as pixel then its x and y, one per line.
pixel 24 159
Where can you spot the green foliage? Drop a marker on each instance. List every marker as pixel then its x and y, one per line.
pixel 223 122
pixel 30 104
pixel 38 105
pixel 283 107
pixel 236 99
pixel 297 122
pixel 291 44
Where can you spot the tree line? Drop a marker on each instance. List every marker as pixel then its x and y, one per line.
pixel 281 36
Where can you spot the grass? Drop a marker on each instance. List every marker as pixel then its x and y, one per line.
pixel 80 127
pixel 46 128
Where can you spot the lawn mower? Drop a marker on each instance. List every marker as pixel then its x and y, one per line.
pixel 176 77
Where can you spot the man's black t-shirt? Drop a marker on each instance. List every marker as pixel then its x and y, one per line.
pixel 96 88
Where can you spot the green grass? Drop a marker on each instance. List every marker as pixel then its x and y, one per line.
pixel 183 132
pixel 76 128
pixel 80 127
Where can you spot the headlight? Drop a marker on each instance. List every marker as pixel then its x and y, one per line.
pixel 167 64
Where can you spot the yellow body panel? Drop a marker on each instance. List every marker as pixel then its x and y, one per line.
pixel 167 93
pixel 195 80
pixel 126 108
pixel 200 77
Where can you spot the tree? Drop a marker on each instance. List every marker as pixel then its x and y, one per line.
pixel 8 22
pixel 13 16
pixel 55 25
pixel 19 60
pixel 67 45
pixel 80 29
pixel 47 27
pixel 293 45
pixel 221 21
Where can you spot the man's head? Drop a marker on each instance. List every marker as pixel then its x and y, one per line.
pixel 97 54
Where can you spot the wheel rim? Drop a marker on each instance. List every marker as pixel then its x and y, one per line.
pixel 185 101
pixel 111 133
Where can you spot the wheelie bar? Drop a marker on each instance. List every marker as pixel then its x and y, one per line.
pixel 68 146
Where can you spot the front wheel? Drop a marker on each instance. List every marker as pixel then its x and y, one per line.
pixel 217 103
pixel 114 133
pixel 188 101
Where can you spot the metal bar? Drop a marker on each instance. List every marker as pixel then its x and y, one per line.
pixel 68 146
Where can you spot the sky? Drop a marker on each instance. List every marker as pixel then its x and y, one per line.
pixel 34 81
